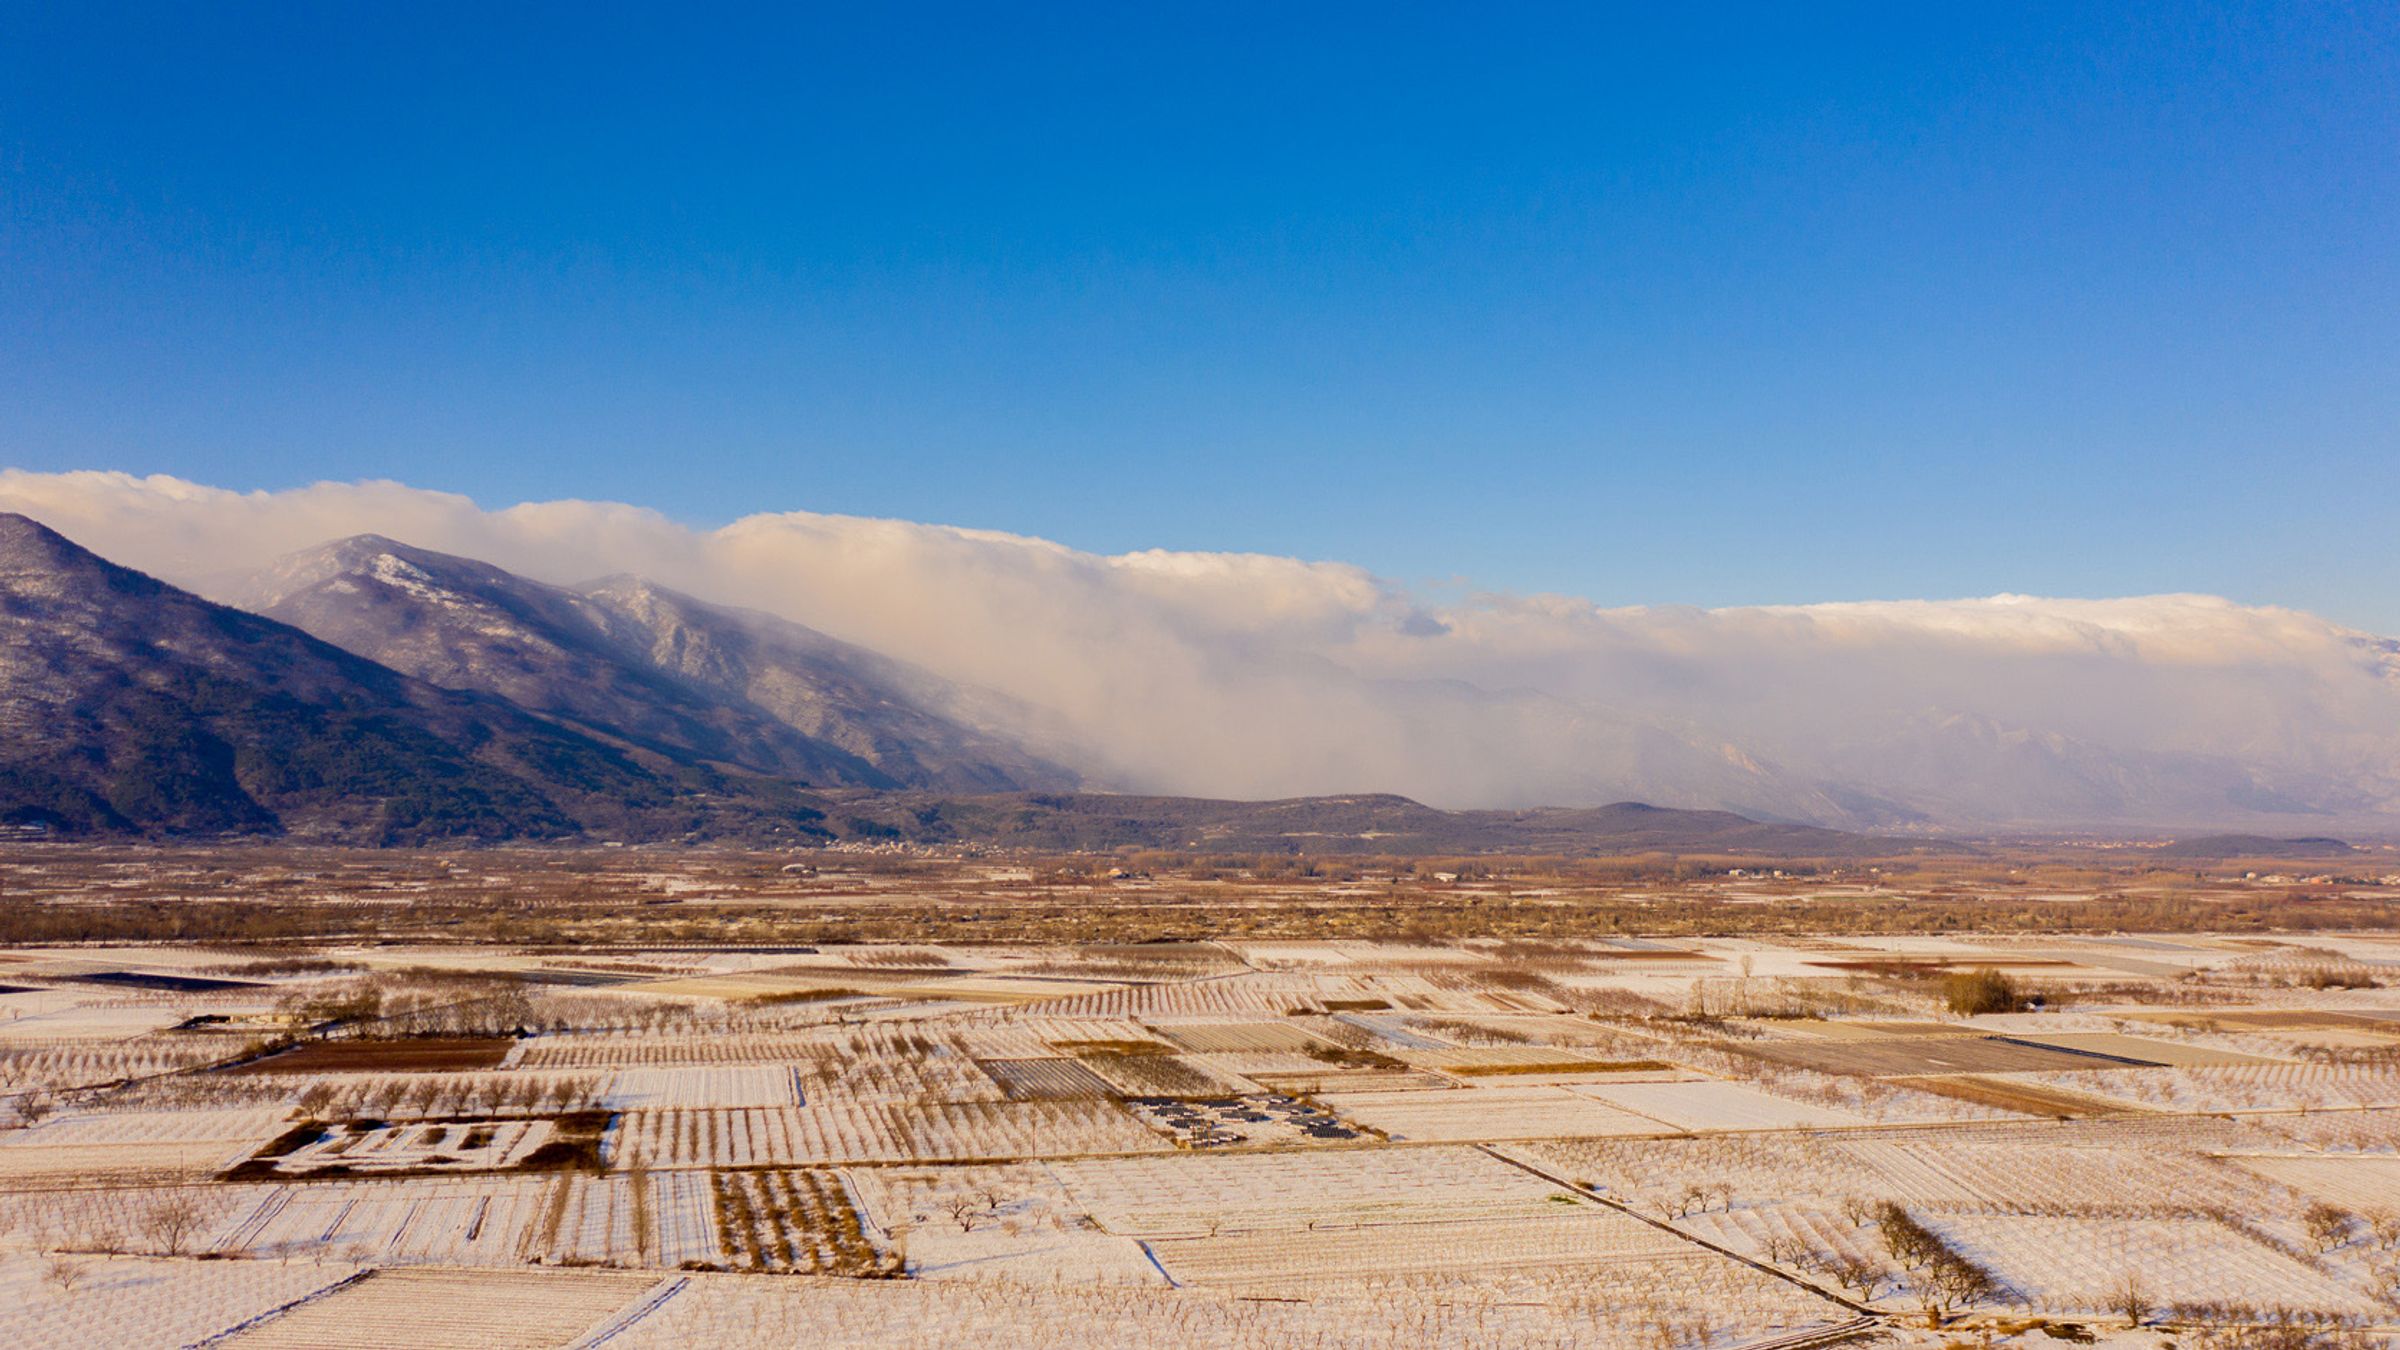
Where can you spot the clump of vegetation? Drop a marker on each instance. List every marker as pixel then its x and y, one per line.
pixel 783 997
pixel 1971 993
pixel 1941 1277
pixel 2329 1226
pixel 1349 1058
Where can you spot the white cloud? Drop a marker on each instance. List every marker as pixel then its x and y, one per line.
pixel 1249 675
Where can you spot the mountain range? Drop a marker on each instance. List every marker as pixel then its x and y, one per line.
pixel 369 692
pixel 628 661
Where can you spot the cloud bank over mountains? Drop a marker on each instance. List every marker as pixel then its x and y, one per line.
pixel 1244 675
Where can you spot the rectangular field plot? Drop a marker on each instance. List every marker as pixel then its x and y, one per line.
pixel 2071 1263
pixel 1919 1055
pixel 2351 1183
pixel 134 1142
pixel 71 1064
pixel 1235 1037
pixel 1589 1235
pixel 1045 1080
pixel 98 1128
pixel 1717 1106
pixel 1191 1194
pixel 2175 1054
pixel 1240 998
pixel 459 1146
pixel 661 1220
pixel 867 1132
pixel 1477 1114
pixel 1252 1119
pixel 1975 1169
pixel 1248 1064
pixel 799 1221
pixel 438 1309
pixel 432 1054
pixel 2262 1087
pixel 1832 1029
pixel 1015 1223
pixel 1162 1076
pixel 129 1301
pixel 1513 1060
pixel 688 1087
pixel 631 1051
pixel 2001 1092
pixel 1615 1307
pixel 1319 1082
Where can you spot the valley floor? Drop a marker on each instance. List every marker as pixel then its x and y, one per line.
pixel 1660 1141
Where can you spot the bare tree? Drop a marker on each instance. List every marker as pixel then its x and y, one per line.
pixel 1951 1281
pixel 172 1221
pixel 2129 1298
pixel 2385 1224
pixel 2328 1225
pixel 64 1271
pixel 1858 1275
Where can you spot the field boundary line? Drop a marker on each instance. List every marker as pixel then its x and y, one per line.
pixel 219 1338
pixel 1762 1267
pixel 1799 1340
pixel 618 1324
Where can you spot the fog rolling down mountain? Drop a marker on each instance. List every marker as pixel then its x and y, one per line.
pixel 627 660
pixel 130 707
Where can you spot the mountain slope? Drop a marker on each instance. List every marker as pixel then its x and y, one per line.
pixel 126 704
pixel 636 663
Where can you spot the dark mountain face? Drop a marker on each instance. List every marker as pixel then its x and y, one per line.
pixel 130 705
pixel 635 663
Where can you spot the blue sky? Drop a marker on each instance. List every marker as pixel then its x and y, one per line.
pixel 1759 305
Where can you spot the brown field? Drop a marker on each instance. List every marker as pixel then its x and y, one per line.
pixel 1910 1056
pixel 426 1055
pixel 1562 1067
pixel 1026 1080
pixel 1941 964
pixel 2027 1098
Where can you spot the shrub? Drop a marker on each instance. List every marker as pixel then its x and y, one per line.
pixel 1983 990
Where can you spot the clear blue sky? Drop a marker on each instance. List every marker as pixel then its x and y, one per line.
pixel 1779 304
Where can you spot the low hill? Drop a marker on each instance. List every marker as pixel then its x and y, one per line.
pixel 1373 823
pixel 2254 846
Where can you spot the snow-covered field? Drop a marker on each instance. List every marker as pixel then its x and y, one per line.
pixel 846 1132
pixel 1717 1106
pixel 1341 1143
pixel 139 1301
pixel 757 1310
pixel 1541 1111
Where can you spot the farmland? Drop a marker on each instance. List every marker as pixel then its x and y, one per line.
pixel 1429 1132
